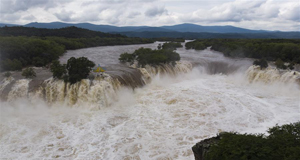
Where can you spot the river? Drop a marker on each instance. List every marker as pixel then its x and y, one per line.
pixel 161 120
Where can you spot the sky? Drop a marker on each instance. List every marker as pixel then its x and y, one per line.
pixel 283 15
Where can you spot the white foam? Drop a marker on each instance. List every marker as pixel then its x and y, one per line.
pixel 159 121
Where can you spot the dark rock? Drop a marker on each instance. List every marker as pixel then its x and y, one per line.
pixel 201 148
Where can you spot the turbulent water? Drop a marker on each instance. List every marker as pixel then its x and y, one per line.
pixel 178 106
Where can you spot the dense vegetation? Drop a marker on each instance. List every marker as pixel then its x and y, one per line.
pixel 146 56
pixel 171 45
pixel 18 52
pixel 68 32
pixel 288 50
pixel 75 70
pixel 21 51
pixel 282 143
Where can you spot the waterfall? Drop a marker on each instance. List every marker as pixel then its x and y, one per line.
pixel 271 75
pixel 5 82
pixel 149 72
pixel 93 93
pixel 19 90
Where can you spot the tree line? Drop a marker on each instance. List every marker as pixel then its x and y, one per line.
pixel 18 51
pixel 286 50
pixel 67 32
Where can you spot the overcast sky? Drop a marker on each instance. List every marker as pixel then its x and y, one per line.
pixel 281 15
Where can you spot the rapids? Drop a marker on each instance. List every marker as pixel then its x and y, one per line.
pixel 203 94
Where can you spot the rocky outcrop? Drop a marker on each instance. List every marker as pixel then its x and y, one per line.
pixel 201 148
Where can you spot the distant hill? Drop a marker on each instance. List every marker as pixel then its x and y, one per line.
pixel 8 25
pixel 205 35
pixel 93 27
pixel 67 32
pixel 186 27
pixel 186 30
pixel 153 29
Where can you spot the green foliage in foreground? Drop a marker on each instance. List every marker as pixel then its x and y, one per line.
pixel 146 56
pixel 288 50
pixel 28 73
pixel 283 143
pixel 74 71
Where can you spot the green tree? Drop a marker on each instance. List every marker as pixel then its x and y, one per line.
pixel 280 64
pixel 28 73
pixel 58 69
pixel 262 63
pixel 78 69
pixel 126 57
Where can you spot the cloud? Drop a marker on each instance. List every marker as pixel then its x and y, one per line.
pixel 64 15
pixel 257 14
pixel 291 13
pixel 12 6
pixel 155 11
pixel 133 14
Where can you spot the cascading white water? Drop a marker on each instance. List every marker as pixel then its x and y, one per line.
pixel 19 90
pixel 271 75
pixel 96 93
pixel 149 72
pixel 161 120
pixel 5 82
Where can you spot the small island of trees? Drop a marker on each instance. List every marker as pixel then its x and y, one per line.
pixel 147 56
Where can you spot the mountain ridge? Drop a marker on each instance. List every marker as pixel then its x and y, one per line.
pixel 185 27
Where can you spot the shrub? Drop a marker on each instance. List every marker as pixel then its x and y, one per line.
pixel 126 57
pixel 262 63
pixel 78 69
pixel 58 70
pixel 280 64
pixel 7 74
pixel 291 66
pixel 28 73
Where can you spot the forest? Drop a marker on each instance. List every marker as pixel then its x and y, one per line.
pixel 22 47
pixel 287 50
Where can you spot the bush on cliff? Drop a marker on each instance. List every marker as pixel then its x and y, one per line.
pixel 78 69
pixel 283 143
pixel 58 69
pixel 75 70
pixel 28 73
pixel 262 63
